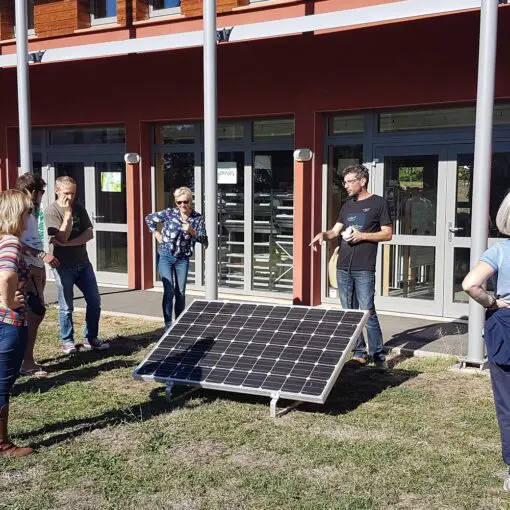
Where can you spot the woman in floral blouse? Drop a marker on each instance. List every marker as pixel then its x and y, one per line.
pixel 182 228
pixel 15 209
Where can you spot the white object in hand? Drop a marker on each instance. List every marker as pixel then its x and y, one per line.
pixel 185 226
pixel 347 232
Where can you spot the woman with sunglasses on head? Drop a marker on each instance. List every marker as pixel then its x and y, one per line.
pixel 35 257
pixel 15 210
pixel 182 228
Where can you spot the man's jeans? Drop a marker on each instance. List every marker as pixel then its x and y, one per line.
pixel 13 342
pixel 85 279
pixel 174 275
pixel 357 289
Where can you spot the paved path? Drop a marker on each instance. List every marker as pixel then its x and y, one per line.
pixel 416 336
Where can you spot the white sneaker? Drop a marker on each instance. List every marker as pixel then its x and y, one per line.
pixel 68 348
pixel 94 343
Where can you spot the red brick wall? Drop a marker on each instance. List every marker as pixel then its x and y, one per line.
pixel 6 20
pixel 60 17
pixel 140 9
pixel 193 8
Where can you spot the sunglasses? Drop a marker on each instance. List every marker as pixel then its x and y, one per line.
pixel 180 202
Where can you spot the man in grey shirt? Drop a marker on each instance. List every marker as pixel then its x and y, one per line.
pixel 69 228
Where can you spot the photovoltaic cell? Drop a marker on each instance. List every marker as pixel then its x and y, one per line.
pixel 294 352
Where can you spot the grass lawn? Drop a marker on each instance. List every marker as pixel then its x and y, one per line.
pixel 416 437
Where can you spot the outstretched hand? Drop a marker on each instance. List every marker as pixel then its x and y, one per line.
pixel 317 240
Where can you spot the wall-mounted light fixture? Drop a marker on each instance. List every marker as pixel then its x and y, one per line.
pixel 223 34
pixel 36 57
pixel 302 155
pixel 132 158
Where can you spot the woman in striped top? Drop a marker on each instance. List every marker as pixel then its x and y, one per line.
pixel 15 209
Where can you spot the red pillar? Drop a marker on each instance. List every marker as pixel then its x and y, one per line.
pixel 317 206
pixel 3 158
pixel 304 138
pixel 133 207
pixel 12 157
pixel 146 205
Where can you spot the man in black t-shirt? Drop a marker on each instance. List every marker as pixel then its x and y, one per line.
pixel 70 229
pixel 364 221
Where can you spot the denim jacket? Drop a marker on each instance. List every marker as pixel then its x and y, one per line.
pixel 175 240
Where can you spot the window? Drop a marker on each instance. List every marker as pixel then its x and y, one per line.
pixel 438 118
pixel 273 129
pixel 345 124
pixel 174 134
pixel 30 16
pixel 164 7
pixel 87 136
pixel 103 11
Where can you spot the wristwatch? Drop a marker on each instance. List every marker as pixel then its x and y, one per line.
pixel 494 304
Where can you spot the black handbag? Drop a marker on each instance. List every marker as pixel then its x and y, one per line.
pixel 35 303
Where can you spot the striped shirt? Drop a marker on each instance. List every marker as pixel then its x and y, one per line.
pixel 11 260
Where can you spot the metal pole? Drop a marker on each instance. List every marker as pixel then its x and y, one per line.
pixel 210 154
pixel 482 163
pixel 25 132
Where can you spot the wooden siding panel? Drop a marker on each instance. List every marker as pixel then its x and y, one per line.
pixel 60 17
pixel 6 20
pixel 194 8
pixel 140 9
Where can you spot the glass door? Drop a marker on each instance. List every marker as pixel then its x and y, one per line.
pixel 409 272
pixel 101 189
pixel 458 219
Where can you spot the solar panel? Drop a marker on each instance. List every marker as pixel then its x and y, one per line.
pixel 288 352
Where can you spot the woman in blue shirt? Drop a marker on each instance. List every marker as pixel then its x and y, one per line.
pixel 495 262
pixel 182 228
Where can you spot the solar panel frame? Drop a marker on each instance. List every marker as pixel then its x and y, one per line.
pixel 256 382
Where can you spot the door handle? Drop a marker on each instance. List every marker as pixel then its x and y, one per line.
pixel 94 217
pixel 454 230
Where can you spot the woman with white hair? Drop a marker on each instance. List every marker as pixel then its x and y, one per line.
pixel 182 228
pixel 495 262
pixel 15 210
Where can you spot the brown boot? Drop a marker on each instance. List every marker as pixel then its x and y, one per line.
pixel 7 449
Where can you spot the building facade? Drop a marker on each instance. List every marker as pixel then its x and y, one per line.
pixel 396 94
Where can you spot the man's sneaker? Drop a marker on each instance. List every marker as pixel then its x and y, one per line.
pixel 360 360
pixel 94 343
pixel 381 364
pixel 68 347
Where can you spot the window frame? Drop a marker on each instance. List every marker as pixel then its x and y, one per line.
pixel 101 21
pixel 167 11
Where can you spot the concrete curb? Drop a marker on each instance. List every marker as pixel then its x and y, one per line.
pixel 399 351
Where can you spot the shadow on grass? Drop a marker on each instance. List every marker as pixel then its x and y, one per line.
pixel 353 388
pixel 76 427
pixel 64 369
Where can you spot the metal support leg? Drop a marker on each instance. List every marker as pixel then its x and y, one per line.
pixel 274 413
pixel 169 389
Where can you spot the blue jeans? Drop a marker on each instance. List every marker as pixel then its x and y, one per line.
pixel 174 274
pixel 500 379
pixel 13 341
pixel 85 279
pixel 357 290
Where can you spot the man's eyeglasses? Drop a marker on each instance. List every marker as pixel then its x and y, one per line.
pixel 350 181
pixel 180 202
